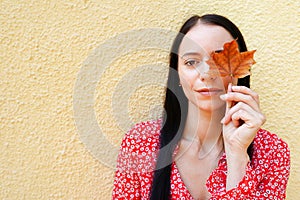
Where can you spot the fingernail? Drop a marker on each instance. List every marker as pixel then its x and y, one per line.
pixel 222 120
pixel 234 87
pixel 229 87
pixel 223 96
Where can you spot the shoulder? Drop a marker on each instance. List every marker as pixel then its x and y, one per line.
pixel 272 149
pixel 143 133
pixel 268 140
pixel 139 146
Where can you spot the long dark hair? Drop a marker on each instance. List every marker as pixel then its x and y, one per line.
pixel 176 105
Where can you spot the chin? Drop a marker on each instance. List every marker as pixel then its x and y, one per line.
pixel 210 106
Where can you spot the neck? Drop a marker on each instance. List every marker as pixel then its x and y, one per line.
pixel 203 126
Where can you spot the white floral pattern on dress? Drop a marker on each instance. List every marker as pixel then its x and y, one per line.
pixel 266 176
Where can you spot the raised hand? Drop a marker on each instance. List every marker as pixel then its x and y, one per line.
pixel 242 119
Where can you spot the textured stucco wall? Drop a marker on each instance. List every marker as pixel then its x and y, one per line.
pixel 48 50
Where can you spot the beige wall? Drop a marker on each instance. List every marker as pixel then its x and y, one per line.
pixel 54 104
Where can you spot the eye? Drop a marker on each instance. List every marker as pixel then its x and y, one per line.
pixel 192 62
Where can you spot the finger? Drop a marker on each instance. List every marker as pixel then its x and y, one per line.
pixel 240 97
pixel 247 91
pixel 236 108
pixel 241 115
pixel 251 119
pixel 228 103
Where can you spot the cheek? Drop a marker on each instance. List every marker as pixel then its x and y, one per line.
pixel 187 76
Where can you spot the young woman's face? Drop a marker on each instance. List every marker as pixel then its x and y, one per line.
pixel 202 85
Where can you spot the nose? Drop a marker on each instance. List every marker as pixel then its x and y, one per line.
pixel 207 76
pixel 206 73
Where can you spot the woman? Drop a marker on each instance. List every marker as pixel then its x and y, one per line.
pixel 209 144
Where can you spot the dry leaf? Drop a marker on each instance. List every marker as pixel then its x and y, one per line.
pixel 230 62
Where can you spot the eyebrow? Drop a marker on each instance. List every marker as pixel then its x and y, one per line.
pixel 218 51
pixel 192 54
pixel 199 54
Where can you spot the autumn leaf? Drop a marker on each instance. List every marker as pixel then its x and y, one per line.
pixel 230 62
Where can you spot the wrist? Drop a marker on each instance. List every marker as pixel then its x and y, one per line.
pixel 234 150
pixel 237 162
pixel 236 157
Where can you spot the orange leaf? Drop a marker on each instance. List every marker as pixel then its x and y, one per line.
pixel 230 62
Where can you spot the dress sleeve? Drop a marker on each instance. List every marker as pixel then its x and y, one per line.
pixel 135 162
pixel 126 186
pixel 265 180
pixel 126 183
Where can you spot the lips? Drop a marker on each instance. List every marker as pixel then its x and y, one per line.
pixel 209 91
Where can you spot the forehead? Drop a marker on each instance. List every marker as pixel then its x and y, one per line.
pixel 204 38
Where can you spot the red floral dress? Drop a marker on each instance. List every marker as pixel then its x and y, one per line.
pixel 266 175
